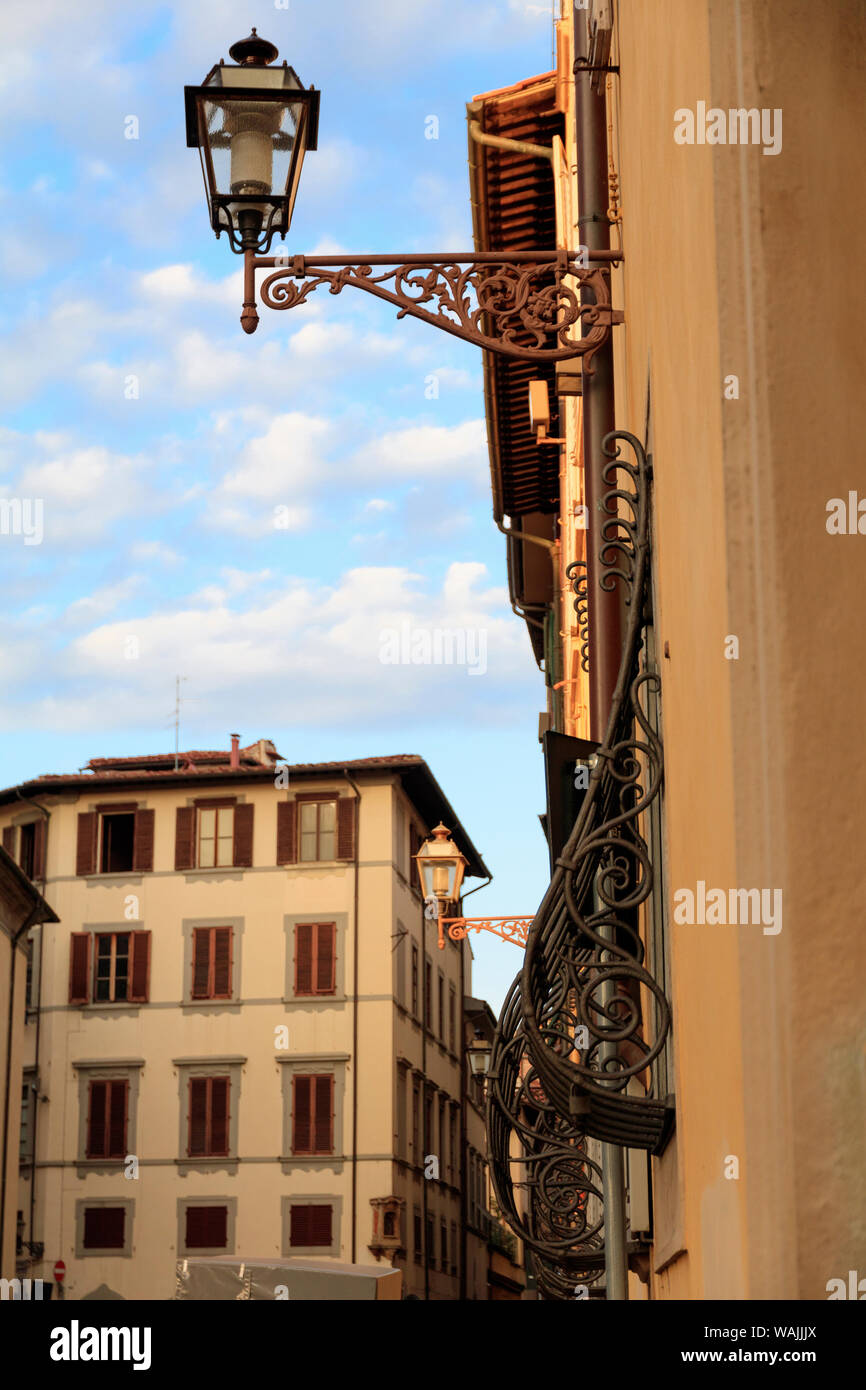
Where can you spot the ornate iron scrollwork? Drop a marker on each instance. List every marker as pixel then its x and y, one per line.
pixel 517 305
pixel 576 574
pixel 573 1031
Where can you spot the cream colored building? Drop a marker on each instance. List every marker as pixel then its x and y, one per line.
pixel 738 366
pixel 226 1034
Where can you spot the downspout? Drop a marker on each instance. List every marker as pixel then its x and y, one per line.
pixel 464 1195
pixel 604 607
pixel 37 1094
pixel 7 1080
pixel 355 976
pixel 423 1097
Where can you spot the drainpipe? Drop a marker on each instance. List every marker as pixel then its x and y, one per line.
pixel 464 1195
pixel 355 963
pixel 423 1098
pixel 37 1094
pixel 604 612
pixel 7 1080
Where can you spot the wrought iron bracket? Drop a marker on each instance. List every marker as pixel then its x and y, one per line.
pixel 535 306
pixel 514 929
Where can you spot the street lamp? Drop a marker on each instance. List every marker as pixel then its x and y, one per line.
pixel 479 1054
pixel 252 125
pixel 441 866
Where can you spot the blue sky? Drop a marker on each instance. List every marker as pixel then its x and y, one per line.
pixel 160 439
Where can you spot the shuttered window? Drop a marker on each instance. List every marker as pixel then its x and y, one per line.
pixel 107 1119
pixel 287 832
pixel 313 1114
pixel 208 1116
pixel 318 826
pixel 311 1224
pixel 104 1228
pixel 206 1227
pixel 417 1241
pixel 414 981
pixel 315 958
pixel 212 963
pixel 121 968
pixel 216 837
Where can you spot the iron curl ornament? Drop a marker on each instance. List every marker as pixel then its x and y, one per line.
pixel 531 305
pixel 593 1015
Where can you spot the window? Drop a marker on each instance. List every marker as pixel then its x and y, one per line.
pixel 401 1114
pixel 206 1228
pixel 208 1116
pixel 315 958
pixel 318 830
pixel 212 963
pixel 443 1245
pixel 401 838
pixel 104 1228
pixel 416 1116
pixel 452 1037
pixel 441 1006
pixel 121 967
pixel 216 832
pixel 414 981
pixel 27 848
pixel 452 1152
pixel 416 1236
pixel 107 1109
pixel 443 1132
pixel 428 1121
pixel 453 1247
pixel 428 994
pixel 25 1147
pixel 431 1240
pixel 117 840
pixel 313 1114
pixel 310 1224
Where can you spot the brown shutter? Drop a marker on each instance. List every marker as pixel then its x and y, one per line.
pixel 198 1089
pixel 414 846
pixel 222 962
pixel 103 1228
pixel 346 828
pixel 9 839
pixel 287 832
pixel 39 849
pixel 206 1228
pixel 302 1114
pixel 243 846
pixel 326 957
pixel 142 843
pixel 219 1115
pixel 324 1137
pixel 96 1118
pixel 320 1225
pixel 117 1119
pixel 85 859
pixel 184 838
pixel 300 1226
pixel 304 958
pixel 201 942
pixel 79 967
pixel 139 966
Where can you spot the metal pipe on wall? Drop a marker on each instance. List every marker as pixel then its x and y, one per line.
pixel 604 607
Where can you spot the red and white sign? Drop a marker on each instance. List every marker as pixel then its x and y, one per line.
pixel 60 1271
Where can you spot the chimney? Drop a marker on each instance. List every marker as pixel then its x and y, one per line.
pixel 235 759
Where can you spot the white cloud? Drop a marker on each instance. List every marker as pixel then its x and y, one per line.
pixel 428 451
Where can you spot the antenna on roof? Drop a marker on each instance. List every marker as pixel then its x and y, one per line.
pixel 177 681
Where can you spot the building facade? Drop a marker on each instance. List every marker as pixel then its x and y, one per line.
pixel 243 1037
pixel 677 142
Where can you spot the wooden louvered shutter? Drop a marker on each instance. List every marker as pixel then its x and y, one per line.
pixel 324 1134
pixel 304 958
pixel 184 838
pixel 206 1228
pixel 287 832
pixel 201 941
pixel 302 1113
pixel 320 1225
pixel 326 957
pixel 139 967
pixel 9 839
pixel 79 967
pixel 346 828
pixel 117 1091
pixel 219 1115
pixel 198 1088
pixel 222 962
pixel 142 842
pixel 243 837
pixel 104 1228
pixel 85 858
pixel 96 1119
pixel 39 849
pixel 300 1226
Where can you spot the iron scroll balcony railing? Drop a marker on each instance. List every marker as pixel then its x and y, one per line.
pixel 585 1015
